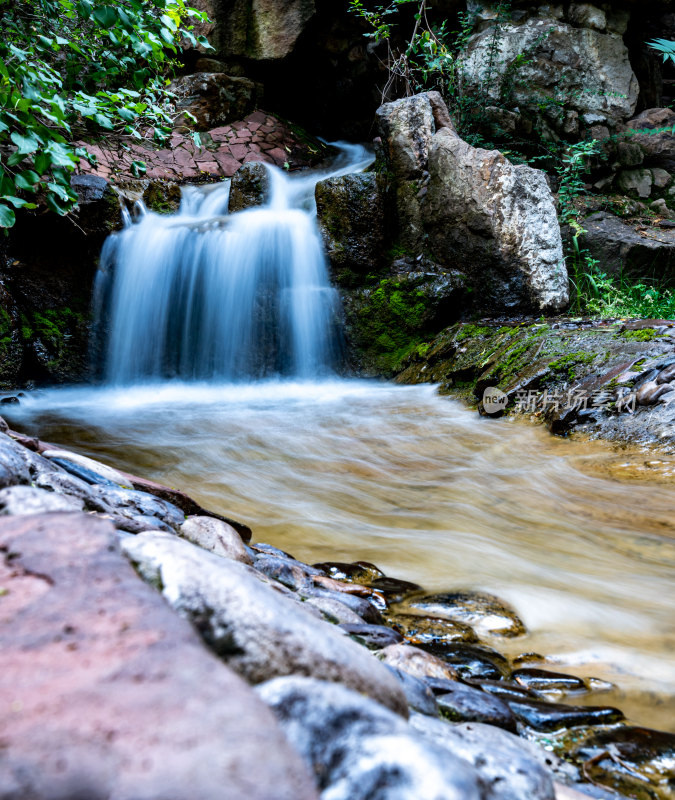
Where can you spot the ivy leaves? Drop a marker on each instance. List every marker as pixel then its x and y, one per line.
pixel 71 69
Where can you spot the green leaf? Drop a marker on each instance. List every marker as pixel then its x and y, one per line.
pixel 7 216
pixel 17 202
pixel 26 144
pixel 138 168
pixel 27 180
pixel 104 122
pixel 15 158
pixel 106 16
pixel 41 162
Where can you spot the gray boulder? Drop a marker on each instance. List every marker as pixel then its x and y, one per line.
pixel 587 71
pixel 654 132
pixel 215 536
pixel 359 750
pixel 507 766
pixel 621 250
pixel 13 467
pixel 21 500
pixel 259 632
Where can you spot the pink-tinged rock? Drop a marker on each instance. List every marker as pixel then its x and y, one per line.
pixel 228 166
pixel 258 157
pixel 278 155
pixel 239 151
pixel 211 167
pixel 105 692
pixel 253 126
pixel 254 148
pixel 245 134
pixel 183 158
pixel 239 140
pixel 220 134
pixel 238 126
pixel 266 146
pixel 257 116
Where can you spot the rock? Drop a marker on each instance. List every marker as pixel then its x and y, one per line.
pixel 666 375
pixel 472 661
pixel 334 610
pixel 484 612
pixel 431 630
pixel 284 570
pixel 358 572
pixel 548 717
pixel 134 505
pixel 462 703
pixel 589 72
pixel 395 589
pixel 654 131
pixel 107 693
pixel 637 762
pixel 661 178
pixel 629 154
pixel 258 632
pixel 89 188
pixel 542 680
pixel 649 393
pixel 97 472
pixel 587 16
pixel 366 611
pixel 508 768
pixel 13 467
pixel 623 251
pixel 659 207
pixel 213 99
pixel 416 662
pixel 350 211
pixel 250 187
pixel 419 696
pixel 215 536
pixel 375 637
pixel 262 30
pixel 20 500
pixel 635 181
pixel 359 750
pixel 505 690
pixel 499 222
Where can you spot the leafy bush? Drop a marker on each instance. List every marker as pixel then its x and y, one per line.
pixel 665 47
pixel 70 69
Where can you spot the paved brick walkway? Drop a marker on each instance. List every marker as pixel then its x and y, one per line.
pixel 258 137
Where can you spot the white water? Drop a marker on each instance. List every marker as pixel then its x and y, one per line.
pixel 203 295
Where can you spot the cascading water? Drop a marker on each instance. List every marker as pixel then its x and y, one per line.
pixel 204 295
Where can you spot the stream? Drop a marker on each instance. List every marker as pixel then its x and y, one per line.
pixel 578 537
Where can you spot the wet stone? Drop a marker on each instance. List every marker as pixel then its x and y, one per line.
pixel 357 572
pixel 548 717
pixel 542 680
pixel 418 694
pixel 358 605
pixel 374 637
pixel 471 660
pixel 416 662
pixel 431 630
pixel 284 570
pixel 462 703
pixel 505 690
pixel 635 761
pixel 393 589
pixel 484 612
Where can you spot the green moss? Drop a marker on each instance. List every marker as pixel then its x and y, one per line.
pixel 567 364
pixel 640 335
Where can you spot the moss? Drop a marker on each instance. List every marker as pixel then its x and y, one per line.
pixel 640 335
pixel 567 364
pixel 472 331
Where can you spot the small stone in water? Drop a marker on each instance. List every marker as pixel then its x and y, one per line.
pixel 375 637
pixel 431 630
pixel 484 612
pixel 548 717
pixel 393 589
pixel 543 681
pixel 358 572
pixel 471 660
pixel 463 703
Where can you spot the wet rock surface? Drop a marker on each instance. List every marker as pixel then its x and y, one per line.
pixel 336 652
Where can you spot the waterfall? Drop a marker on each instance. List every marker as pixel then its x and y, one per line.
pixel 201 294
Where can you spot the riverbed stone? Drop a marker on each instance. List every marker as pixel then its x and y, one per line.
pixel 548 717
pixel 375 637
pixel 333 610
pixel 106 692
pixel 257 631
pixel 13 467
pixel 20 500
pixel 134 504
pixel 103 471
pixel 359 750
pixel 487 614
pixel 416 662
pixel 367 611
pixel 461 703
pixel 418 629
pixel 418 694
pixel 634 761
pixel 541 680
pixel 472 661
pixel 357 572
pixel 215 536
pixel 507 766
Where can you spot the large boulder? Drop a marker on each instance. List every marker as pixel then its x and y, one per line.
pixel 350 211
pixel 257 630
pixel 624 251
pixel 472 209
pixel 654 132
pixel 571 78
pixel 250 187
pixel 106 692
pixel 213 98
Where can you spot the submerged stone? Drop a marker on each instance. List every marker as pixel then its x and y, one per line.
pixel 472 660
pixel 542 680
pixel 394 589
pixel 548 717
pixel 358 572
pixel 634 761
pixel 431 630
pixel 484 612
pixel 462 703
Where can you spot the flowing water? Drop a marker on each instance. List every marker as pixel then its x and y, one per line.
pixel 579 539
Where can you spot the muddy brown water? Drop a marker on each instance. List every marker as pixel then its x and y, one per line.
pixel 578 537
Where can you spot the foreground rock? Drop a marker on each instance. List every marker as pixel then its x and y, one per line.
pixel 361 751
pixel 105 692
pixel 260 633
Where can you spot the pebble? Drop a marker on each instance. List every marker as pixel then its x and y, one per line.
pixel 544 681
pixel 419 696
pixel 90 470
pixel 366 611
pixel 393 589
pixel 431 630
pixel 667 375
pixel 649 392
pixel 356 572
pixel 416 662
pixel 472 660
pixel 374 637
pixel 548 717
pixel 215 536
pixel 462 703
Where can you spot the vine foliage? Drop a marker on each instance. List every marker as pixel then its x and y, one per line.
pixel 74 69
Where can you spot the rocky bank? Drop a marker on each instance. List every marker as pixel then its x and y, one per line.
pixel 152 648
